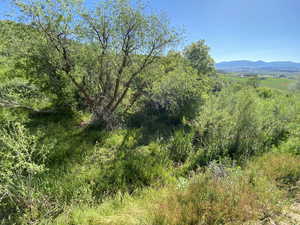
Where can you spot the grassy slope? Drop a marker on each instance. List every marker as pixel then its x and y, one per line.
pixel 205 198
pixel 71 171
pixel 208 201
pixel 278 83
pixel 202 200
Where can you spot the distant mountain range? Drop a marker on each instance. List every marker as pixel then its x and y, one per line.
pixel 246 66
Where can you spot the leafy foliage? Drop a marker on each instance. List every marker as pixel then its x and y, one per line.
pixel 240 124
pixel 21 158
pixel 198 56
pixel 178 93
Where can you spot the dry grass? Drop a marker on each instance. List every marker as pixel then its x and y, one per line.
pixel 284 168
pixel 234 199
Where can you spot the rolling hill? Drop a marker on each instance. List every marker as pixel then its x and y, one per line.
pixel 246 66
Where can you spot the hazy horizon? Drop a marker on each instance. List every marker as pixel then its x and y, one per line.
pixel 267 61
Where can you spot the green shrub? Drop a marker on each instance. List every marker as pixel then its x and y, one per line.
pixel 240 124
pixel 292 145
pixel 127 170
pixel 180 146
pixel 178 94
pixel 21 158
pixel 284 168
pixel 266 93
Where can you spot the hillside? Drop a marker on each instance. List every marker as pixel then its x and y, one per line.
pixel 99 126
pixel 245 66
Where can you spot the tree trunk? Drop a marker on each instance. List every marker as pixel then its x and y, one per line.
pixel 104 119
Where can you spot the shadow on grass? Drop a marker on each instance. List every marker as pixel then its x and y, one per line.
pixel 70 143
pixel 62 134
pixel 154 127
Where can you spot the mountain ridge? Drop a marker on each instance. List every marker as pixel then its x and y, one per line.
pixel 258 66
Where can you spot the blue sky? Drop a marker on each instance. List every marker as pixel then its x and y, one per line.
pixel 235 29
pixel 240 29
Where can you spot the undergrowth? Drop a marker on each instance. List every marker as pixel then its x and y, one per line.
pixel 234 196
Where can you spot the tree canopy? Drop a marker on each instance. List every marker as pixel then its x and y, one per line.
pixel 198 55
pixel 100 52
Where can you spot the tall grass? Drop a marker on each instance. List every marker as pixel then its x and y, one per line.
pixel 235 196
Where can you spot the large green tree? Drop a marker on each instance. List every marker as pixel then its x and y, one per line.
pixel 198 56
pixel 101 52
